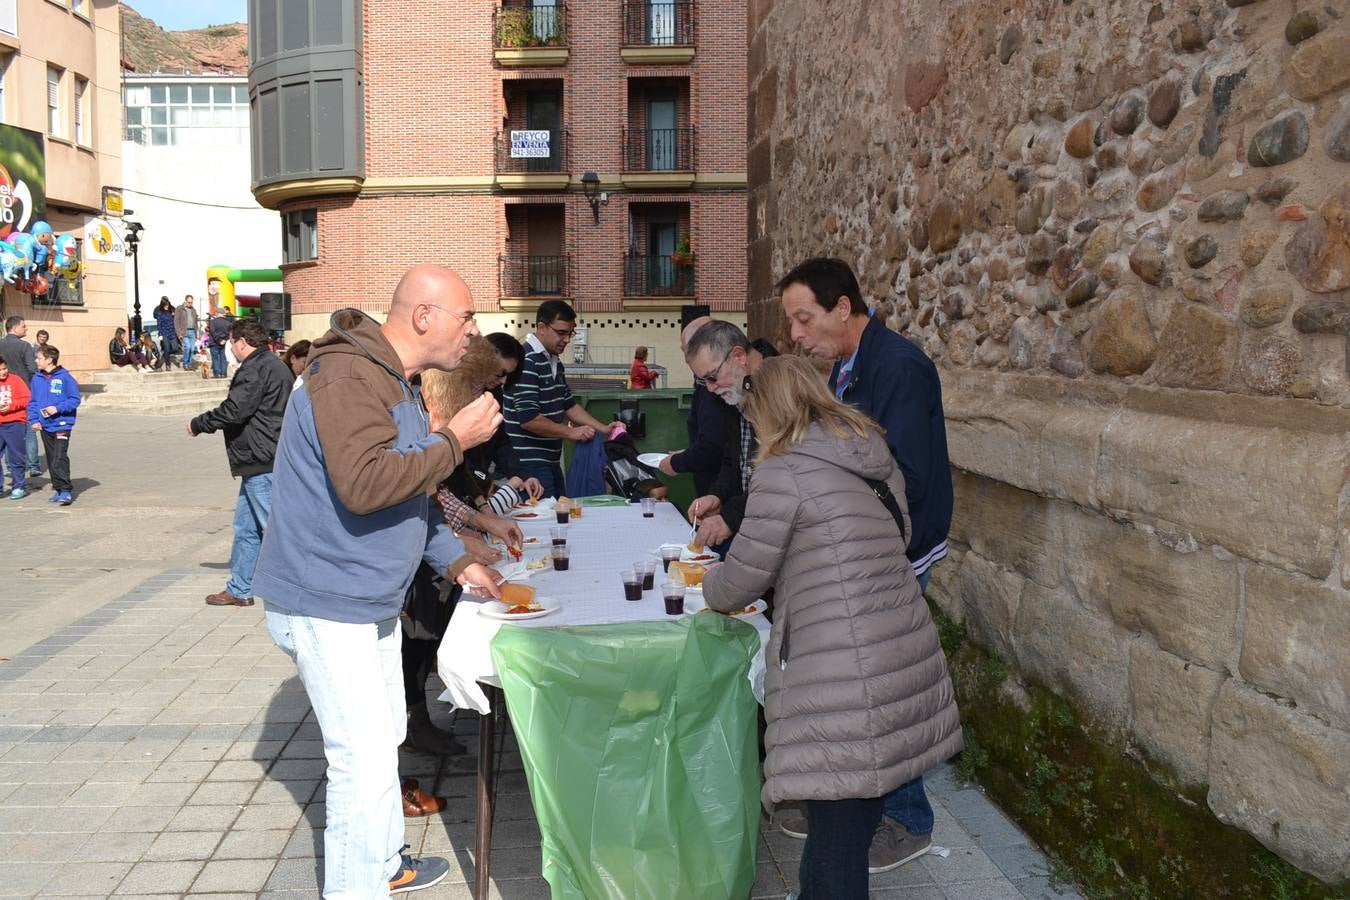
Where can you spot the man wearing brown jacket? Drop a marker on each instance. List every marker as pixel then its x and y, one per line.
pixel 351 519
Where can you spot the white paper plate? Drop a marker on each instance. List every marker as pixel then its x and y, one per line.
pixel 496 609
pixel 687 555
pixel 696 604
pixel 652 459
pixel 533 514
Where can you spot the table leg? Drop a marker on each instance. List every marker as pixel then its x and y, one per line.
pixel 483 817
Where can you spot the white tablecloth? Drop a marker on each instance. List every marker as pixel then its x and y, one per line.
pixel 603 542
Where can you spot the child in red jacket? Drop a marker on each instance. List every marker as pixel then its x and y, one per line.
pixel 14 397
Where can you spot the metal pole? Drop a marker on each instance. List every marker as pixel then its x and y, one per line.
pixel 136 287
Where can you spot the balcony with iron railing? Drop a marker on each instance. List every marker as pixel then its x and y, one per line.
pixel 532 159
pixel 658 32
pixel 658 276
pixel 531 278
pixel 530 35
pixel 658 157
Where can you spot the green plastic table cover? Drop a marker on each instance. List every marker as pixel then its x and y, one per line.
pixel 641 753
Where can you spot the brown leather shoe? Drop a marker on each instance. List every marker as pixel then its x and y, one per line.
pixel 417 802
pixel 227 599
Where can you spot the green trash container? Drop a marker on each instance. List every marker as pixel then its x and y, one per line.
pixel 667 411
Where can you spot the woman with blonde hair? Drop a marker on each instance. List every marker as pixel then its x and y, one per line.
pixel 857 696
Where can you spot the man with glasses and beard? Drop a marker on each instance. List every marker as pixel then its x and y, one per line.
pixel 539 409
pixel 722 360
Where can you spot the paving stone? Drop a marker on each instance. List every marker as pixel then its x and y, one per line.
pixel 159 878
pixel 238 770
pixel 181 771
pixel 305 843
pixel 295 792
pixel 205 818
pixel 268 817
pixel 233 875
pixel 224 792
pixel 103 794
pixel 964 864
pixel 113 846
pixel 253 844
pixel 45 849
pixel 968 804
pixel 1018 860
pixel 298 769
pixel 76 819
pixel 911 874
pixel 41 794
pixel 180 845
pixel 991 889
pixel 769 882
pixel 1041 888
pixel 140 818
pixel 263 751
pixel 928 892
pixel 84 878
pixel 296 875
pixel 994 830
pixel 23 879
pixel 159 794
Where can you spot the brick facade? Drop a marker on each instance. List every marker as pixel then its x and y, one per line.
pixel 435 100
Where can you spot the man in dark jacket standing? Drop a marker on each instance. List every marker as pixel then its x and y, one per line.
pixel 890 379
pixel 251 419
pixel 707 415
pixel 218 335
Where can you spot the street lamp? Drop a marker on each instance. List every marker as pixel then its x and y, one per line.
pixel 133 240
pixel 590 186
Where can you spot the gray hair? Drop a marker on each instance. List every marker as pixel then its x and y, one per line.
pixel 717 339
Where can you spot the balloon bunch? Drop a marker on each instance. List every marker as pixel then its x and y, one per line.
pixel 27 259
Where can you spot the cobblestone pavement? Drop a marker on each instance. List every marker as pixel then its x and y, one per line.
pixel 152 746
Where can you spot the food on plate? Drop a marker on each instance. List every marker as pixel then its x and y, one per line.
pixel 691 573
pixel 702 557
pixel 519 598
pixel 527 515
pixel 539 563
pixel 514 551
pixel 695 546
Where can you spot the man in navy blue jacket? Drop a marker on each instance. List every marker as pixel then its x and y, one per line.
pixel 889 378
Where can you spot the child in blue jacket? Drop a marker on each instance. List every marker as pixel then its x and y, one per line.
pixel 51 413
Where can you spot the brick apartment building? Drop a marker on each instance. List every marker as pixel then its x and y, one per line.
pixel 401 132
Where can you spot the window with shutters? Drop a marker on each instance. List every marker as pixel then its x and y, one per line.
pixel 82 120
pixel 300 235
pixel 54 102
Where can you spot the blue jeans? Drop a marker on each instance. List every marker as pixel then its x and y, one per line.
pixel 250 518
pixel 354 677
pixel 13 450
pixel 189 348
pixel 218 363
pixel 908 804
pixel 834 860
pixel 30 442
pixel 550 475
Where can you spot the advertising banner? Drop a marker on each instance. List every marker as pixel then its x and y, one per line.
pixel 23 179
pixel 101 240
pixel 530 144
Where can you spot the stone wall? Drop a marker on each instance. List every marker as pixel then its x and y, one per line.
pixel 1120 230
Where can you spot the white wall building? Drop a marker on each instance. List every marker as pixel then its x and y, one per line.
pixel 186 175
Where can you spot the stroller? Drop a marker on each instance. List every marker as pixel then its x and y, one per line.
pixel 624 475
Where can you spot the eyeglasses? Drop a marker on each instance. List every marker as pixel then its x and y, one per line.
pixel 465 317
pixel 711 378
pixel 565 333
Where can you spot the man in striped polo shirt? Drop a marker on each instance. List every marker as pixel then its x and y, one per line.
pixel 540 410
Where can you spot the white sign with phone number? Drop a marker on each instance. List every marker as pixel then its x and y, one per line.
pixel 530 145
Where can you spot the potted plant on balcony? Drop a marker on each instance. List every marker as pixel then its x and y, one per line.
pixel 683 257
pixel 515 28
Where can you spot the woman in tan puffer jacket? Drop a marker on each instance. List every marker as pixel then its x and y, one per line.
pixel 857 696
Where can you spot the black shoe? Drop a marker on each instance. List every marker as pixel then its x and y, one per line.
pixel 418 873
